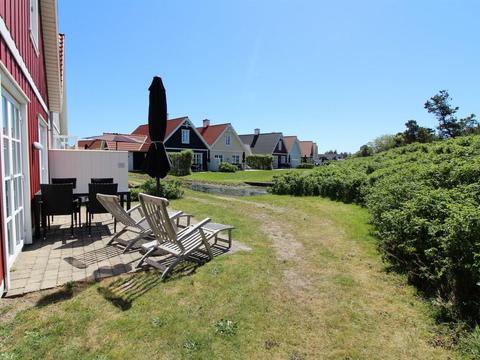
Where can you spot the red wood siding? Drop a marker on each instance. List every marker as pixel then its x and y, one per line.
pixel 16 15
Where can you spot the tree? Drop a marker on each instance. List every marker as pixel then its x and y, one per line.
pixel 448 124
pixel 365 150
pixel 411 134
pixel 417 133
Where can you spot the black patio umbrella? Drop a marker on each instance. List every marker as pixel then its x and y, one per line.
pixel 157 162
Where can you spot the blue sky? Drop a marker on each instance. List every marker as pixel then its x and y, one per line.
pixel 337 72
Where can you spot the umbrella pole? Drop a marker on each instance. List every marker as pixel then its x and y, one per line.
pixel 158 186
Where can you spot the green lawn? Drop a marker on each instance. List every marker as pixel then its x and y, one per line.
pixel 221 178
pixel 312 287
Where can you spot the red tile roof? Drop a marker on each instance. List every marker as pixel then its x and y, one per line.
pixel 306 147
pixel 211 132
pixel 136 142
pixel 289 141
pixel 172 124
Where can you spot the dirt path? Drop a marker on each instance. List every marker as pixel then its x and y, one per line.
pixel 338 289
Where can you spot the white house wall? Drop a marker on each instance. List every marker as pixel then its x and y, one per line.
pixel 228 151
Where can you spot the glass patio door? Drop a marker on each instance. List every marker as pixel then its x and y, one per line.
pixel 12 171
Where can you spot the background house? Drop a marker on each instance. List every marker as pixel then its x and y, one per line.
pixel 267 144
pixel 33 113
pixel 309 151
pixel 181 135
pixel 294 152
pixel 225 144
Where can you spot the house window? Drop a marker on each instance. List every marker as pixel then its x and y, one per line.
pixel 185 136
pixel 228 139
pixel 219 158
pixel 279 146
pixel 236 159
pixel 34 22
pixel 198 161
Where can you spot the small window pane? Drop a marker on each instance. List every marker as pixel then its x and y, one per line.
pixel 7 197
pixel 10 238
pixel 12 121
pixel 4 115
pixel 6 156
pixel 19 228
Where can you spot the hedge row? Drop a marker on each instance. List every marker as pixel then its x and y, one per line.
pixel 262 162
pixel 169 189
pixel 181 163
pixel 227 167
pixel 425 205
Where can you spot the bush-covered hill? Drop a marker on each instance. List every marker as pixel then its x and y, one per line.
pixel 425 205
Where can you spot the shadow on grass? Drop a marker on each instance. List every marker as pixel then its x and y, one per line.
pixel 68 291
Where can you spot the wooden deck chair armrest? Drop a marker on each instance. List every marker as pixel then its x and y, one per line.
pixel 136 207
pixel 194 228
pixel 142 219
pixel 176 215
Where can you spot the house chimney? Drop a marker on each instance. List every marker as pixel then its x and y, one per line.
pixel 257 131
pixel 206 123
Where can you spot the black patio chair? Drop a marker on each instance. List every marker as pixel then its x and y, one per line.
pixel 65 181
pixel 57 199
pixel 101 180
pixel 94 206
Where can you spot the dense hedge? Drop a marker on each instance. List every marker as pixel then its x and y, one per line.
pixel 169 189
pixel 425 206
pixel 181 163
pixel 306 165
pixel 262 162
pixel 227 167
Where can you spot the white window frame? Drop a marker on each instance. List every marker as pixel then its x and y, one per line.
pixel 228 140
pixel 185 136
pixel 34 23
pixel 236 159
pixel 198 156
pixel 43 156
pixel 24 207
pixel 9 85
pixel 219 157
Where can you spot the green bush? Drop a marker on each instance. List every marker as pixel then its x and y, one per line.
pixel 169 189
pixel 425 205
pixel 262 162
pixel 227 167
pixel 306 166
pixel 181 163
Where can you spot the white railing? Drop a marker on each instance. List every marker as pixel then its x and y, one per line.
pixel 64 142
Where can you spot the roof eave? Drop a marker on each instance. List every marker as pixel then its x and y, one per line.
pixel 49 21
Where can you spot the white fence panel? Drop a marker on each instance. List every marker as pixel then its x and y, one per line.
pixel 87 164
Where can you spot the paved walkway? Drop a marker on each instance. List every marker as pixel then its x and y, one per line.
pixel 60 258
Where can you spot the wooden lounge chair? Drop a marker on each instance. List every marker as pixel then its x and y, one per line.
pixel 180 244
pixel 139 227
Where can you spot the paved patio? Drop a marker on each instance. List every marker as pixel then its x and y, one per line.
pixel 61 258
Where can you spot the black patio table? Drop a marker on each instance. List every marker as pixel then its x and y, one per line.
pixel 124 196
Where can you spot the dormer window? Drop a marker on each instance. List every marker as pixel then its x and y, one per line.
pixel 34 23
pixel 185 136
pixel 228 139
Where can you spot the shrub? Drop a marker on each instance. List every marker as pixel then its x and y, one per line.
pixel 262 162
pixel 305 166
pixel 181 163
pixel 227 167
pixel 169 189
pixel 424 200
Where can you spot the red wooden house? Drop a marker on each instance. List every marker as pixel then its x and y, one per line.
pixel 32 113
